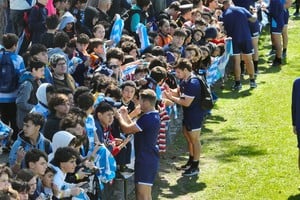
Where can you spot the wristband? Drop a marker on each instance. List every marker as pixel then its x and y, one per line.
pixel 77 176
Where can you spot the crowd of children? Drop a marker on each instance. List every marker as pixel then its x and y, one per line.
pixel 81 95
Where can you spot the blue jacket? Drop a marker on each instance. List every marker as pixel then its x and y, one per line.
pixel 26 96
pixel 42 144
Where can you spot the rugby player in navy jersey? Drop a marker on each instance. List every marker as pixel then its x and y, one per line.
pixel 189 97
pixel 235 20
pixel 146 130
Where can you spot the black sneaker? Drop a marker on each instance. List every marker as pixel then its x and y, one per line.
pixel 283 54
pixel 272 52
pixel 191 172
pixel 253 84
pixel 184 167
pixel 276 63
pixel 236 87
pixel 126 169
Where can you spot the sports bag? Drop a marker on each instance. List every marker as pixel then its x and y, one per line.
pixel 8 74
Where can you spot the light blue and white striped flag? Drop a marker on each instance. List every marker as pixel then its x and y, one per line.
pixel 129 70
pixel 143 36
pixel 116 31
pixel 217 68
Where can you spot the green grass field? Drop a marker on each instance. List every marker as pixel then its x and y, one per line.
pixel 248 147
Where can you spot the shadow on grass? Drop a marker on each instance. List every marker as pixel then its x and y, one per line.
pixel 218 139
pixel 294 197
pixel 235 153
pixel 185 185
pixel 215 119
pixel 228 94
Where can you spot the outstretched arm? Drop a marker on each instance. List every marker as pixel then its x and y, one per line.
pixel 127 125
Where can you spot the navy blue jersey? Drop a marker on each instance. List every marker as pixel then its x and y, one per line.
pixel 296 105
pixel 244 3
pixel 191 88
pixel 236 24
pixel 145 142
pixel 276 12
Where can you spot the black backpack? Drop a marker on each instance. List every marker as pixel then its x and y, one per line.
pixel 127 16
pixel 206 101
pixel 8 74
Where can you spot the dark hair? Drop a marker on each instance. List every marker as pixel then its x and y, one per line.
pixel 128 46
pixel 183 63
pixel 94 43
pixel 195 48
pixel 103 107
pixel 128 59
pixel 65 91
pixel 9 40
pixel 175 5
pixel 98 26
pixel 83 38
pixel 25 175
pixel 78 111
pixel 85 101
pixel 142 3
pixel 162 22
pixel 141 69
pixel 99 82
pixel 71 120
pixel 158 74
pixel 37 48
pixel 208 15
pixel 200 22
pixel 207 2
pixel 64 154
pixel 148 95
pixel 180 32
pixel 55 100
pixel 20 186
pixel 198 30
pixel 115 53
pixel 78 91
pixel 205 62
pixel 128 83
pixel 113 91
pixel 173 24
pixel 50 169
pixel 61 39
pixel 157 62
pixel 35 64
pixel 158 51
pixel 34 155
pixel 36 118
pixel 52 22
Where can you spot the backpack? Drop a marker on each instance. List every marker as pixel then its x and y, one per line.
pixel 127 16
pixel 206 100
pixel 8 74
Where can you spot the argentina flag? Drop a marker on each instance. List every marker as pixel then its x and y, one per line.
pixel 217 68
pixel 143 36
pixel 129 70
pixel 116 31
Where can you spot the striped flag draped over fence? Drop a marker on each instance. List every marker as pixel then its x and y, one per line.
pixel 217 68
